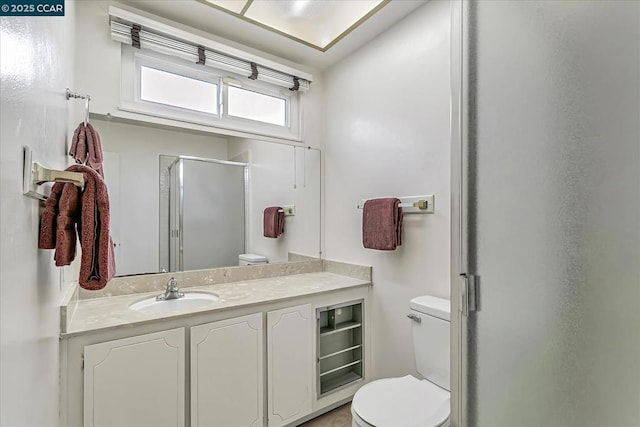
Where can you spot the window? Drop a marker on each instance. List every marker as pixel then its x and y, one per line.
pixel 178 91
pixel 256 106
pixel 168 87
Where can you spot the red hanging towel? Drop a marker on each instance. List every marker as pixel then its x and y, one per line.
pixel 382 224
pixel 86 148
pixel 273 223
pixel 67 210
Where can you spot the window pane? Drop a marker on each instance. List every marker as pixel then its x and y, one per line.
pixel 178 91
pixel 256 106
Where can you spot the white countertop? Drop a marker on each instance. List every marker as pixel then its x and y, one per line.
pixel 111 312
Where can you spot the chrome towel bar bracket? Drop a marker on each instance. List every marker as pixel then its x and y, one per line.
pixel 34 175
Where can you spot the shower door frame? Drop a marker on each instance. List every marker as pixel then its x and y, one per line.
pixel 180 160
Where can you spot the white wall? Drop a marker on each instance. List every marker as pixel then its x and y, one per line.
pixel 282 175
pixel 387 134
pixel 36 65
pixel 136 199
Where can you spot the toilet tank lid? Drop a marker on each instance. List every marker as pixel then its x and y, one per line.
pixel 433 306
pixel 252 257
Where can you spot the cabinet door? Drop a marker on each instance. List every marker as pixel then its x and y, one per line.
pixel 135 382
pixel 227 385
pixel 290 364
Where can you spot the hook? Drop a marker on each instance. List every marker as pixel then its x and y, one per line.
pixel 86 109
pixel 70 94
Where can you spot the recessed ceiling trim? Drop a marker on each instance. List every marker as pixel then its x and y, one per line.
pixel 355 25
pixel 245 8
pixel 289 36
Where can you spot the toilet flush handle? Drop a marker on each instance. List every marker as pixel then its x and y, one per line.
pixel 414 317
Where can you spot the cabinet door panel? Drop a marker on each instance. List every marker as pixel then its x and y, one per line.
pixel 135 382
pixel 290 364
pixel 227 373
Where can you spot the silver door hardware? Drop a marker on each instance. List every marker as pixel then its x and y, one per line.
pixel 469 294
pixel 414 317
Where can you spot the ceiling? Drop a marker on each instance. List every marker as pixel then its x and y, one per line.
pixel 318 24
pixel 314 33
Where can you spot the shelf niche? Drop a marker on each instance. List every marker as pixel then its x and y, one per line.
pixel 340 346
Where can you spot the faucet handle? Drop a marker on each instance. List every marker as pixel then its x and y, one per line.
pixel 172 285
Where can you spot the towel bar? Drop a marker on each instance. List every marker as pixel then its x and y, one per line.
pixel 415 204
pixel 35 174
pixel 42 175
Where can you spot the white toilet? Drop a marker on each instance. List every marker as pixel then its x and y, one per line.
pixel 408 401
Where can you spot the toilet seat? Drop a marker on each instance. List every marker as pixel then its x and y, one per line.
pixel 405 401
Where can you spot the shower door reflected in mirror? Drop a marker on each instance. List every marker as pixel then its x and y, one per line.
pixel 202 212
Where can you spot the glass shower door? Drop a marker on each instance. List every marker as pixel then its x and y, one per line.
pixel 546 235
pixel 213 224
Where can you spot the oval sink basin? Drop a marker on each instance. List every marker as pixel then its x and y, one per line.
pixel 190 301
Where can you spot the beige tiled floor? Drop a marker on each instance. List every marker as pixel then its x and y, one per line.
pixel 339 417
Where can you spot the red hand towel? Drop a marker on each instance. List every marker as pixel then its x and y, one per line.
pixel 95 150
pixel 382 224
pixel 97 265
pixel 49 219
pixel 86 147
pixel 273 222
pixel 66 237
pixel 90 214
pixel 78 148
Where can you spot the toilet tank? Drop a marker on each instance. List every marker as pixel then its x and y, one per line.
pixel 431 338
pixel 252 259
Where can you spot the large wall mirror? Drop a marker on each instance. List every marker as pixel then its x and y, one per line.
pixel 183 200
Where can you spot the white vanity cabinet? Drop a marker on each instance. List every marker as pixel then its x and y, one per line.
pixel 227 373
pixel 271 364
pixel 290 333
pixel 137 381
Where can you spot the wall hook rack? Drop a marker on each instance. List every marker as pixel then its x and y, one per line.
pixel 71 94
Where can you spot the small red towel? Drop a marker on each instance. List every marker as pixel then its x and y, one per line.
pixel 86 148
pixel 273 224
pixel 66 225
pixel 382 224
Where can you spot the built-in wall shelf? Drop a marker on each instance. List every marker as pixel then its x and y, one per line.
pixel 340 368
pixel 339 346
pixel 328 330
pixel 340 352
pixel 341 381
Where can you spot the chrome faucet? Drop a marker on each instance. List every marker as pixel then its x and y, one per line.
pixel 172 291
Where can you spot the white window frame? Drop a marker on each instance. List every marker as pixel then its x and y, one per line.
pixel 133 59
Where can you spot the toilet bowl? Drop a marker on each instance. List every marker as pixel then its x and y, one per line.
pixel 408 401
pixel 401 402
